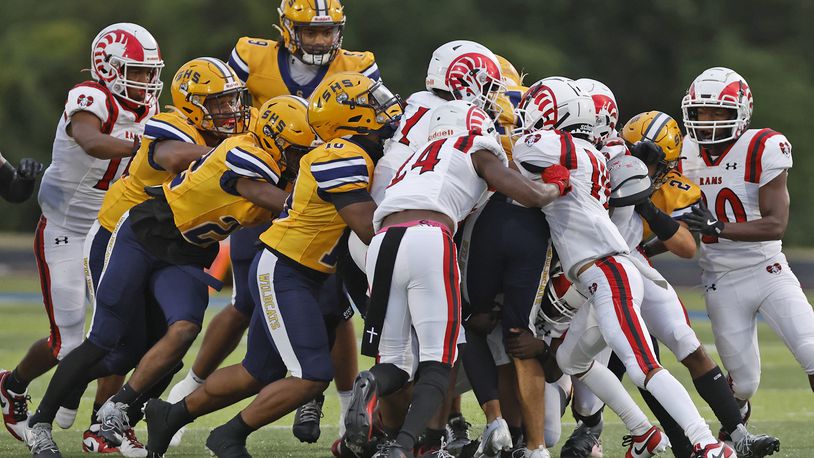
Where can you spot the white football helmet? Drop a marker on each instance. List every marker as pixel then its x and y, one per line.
pixel 607 112
pixel 120 48
pixel 469 71
pixel 561 301
pixel 556 103
pixel 457 117
pixel 717 87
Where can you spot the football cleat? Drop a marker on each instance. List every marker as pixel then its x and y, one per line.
pixel 755 445
pixel 65 417
pixel 41 442
pixel 159 432
pixel 15 408
pixel 723 435
pixel 131 446
pixel 306 420
pixel 651 443
pixel 340 450
pixel 392 449
pixel 582 443
pixel 114 421
pixel 717 450
pixel 434 451
pixel 223 445
pixel 496 438
pixel 457 434
pixel 93 442
pixel 524 452
pixel 359 420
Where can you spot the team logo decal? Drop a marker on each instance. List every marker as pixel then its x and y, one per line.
pixel 592 288
pixel 785 148
pixel 774 268
pixel 122 41
pixel 84 101
pixel 532 139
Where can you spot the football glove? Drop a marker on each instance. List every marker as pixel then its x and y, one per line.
pixel 701 220
pixel 559 176
pixel 29 169
pixel 647 151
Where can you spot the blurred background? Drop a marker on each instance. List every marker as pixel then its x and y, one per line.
pixel 648 52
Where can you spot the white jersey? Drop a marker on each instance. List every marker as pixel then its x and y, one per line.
pixel 412 132
pixel 730 186
pixel 581 229
pixel 75 183
pixel 614 146
pixel 441 178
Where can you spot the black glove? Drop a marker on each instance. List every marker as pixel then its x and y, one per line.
pixel 29 169
pixel 702 220
pixel 660 223
pixel 647 151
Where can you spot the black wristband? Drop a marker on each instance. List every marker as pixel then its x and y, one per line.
pixel 660 223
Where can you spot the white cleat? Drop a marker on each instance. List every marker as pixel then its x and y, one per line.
pixel 496 438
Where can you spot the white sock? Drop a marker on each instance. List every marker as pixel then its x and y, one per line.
pixel 609 389
pixel 194 378
pixel 344 402
pixel 676 401
pixel 183 388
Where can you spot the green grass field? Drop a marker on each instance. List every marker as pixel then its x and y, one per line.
pixel 784 405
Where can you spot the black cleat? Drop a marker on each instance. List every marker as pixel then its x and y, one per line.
pixel 392 449
pixel 359 427
pixel 159 430
pixel 306 420
pixel 755 445
pixel 580 444
pixel 223 445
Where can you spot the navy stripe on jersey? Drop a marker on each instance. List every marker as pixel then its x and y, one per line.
pixel 239 65
pixel 293 87
pixel 157 129
pixel 247 165
pixel 336 173
pixel 372 72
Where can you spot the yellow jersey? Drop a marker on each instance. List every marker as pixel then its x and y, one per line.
pixel 507 121
pixel 142 170
pixel 205 205
pixel 309 228
pixel 265 67
pixel 674 197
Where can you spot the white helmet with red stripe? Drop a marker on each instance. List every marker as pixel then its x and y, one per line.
pixel 117 51
pixel 469 71
pixel 556 103
pixel 457 117
pixel 561 301
pixel 717 87
pixel 607 112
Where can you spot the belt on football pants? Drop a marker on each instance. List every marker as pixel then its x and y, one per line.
pixel 380 290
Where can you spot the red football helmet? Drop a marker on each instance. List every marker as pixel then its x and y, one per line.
pixel 117 51
pixel 717 87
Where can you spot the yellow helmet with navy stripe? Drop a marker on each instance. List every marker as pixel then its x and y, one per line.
pixel 325 14
pixel 209 93
pixel 511 77
pixel 283 130
pixel 349 103
pixel 661 129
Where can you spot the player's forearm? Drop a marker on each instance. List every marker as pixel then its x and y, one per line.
pixel 681 244
pixel 262 194
pixel 174 156
pixel 103 146
pixel 760 230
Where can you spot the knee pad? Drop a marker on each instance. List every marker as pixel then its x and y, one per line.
pixel 804 352
pixel 745 387
pixel 570 367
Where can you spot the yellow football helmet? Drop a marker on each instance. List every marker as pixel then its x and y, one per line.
pixel 327 14
pixel 283 130
pixel 511 77
pixel 349 103
pixel 661 129
pixel 210 94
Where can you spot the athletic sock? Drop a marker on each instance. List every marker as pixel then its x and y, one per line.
pixel 428 395
pixel 715 390
pixel 609 389
pixel 179 415
pixel 126 395
pixel 676 401
pixel 238 428
pixel 15 383
pixel 516 433
pixel 96 407
pixel 344 402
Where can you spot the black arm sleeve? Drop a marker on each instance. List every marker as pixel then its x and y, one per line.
pixel 341 200
pixel 12 187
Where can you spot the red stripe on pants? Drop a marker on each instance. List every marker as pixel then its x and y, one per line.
pixel 54 339
pixel 453 291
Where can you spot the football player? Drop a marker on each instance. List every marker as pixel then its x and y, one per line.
pixel 97 133
pixel 163 245
pixel 17 185
pixel 206 108
pixel 308 52
pixel 412 268
pixel 742 174
pixel 595 257
pixel 350 113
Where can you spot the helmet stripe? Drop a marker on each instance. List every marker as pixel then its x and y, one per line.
pixel 322 8
pixel 655 126
pixel 225 71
